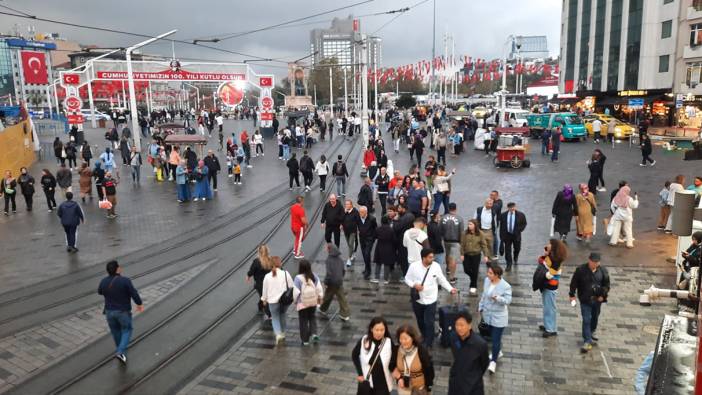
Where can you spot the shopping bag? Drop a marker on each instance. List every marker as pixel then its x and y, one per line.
pixel 594 225
pixel 610 226
pixel 553 225
pixel 105 204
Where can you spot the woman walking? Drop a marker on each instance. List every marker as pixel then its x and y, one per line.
pixel 414 369
pixel 601 158
pixel 442 188
pixel 86 152
pixel 308 295
pixel 202 185
pixel 322 169
pixel 8 189
pixel 646 150
pixel 26 183
pixel 473 243
pixel 623 218
pixel 85 181
pixel 564 208
pixel 260 266
pixel 48 185
pixel 384 251
pixel 59 152
pixel 595 168
pixel 497 295
pixel 275 284
pixel 546 279
pixel 99 176
pixel 109 190
pixel 586 213
pixel 372 357
pixel 293 171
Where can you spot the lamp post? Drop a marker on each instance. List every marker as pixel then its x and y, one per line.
pixel 503 91
pixel 132 92
pixel 346 96
pixel 198 93
pixel 331 95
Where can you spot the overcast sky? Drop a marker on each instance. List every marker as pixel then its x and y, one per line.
pixel 479 27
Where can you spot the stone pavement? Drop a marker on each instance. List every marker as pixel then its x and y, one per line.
pixel 33 242
pixel 531 364
pixel 28 352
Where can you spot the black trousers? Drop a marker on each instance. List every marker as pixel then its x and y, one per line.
pixel 402 258
pixel 441 155
pixel 322 182
pixel 383 197
pixel 71 231
pixel 332 230
pixel 513 246
pixel 308 323
pixel 10 197
pixel 50 201
pixel 212 177
pixel 295 177
pixel 471 266
pixel 366 249
pixel 173 168
pixel 307 177
pixel 29 200
pixel 646 157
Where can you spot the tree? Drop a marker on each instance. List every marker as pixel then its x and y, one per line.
pixel 406 101
pixel 319 77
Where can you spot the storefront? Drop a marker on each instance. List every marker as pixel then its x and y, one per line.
pixel 690 114
pixel 633 105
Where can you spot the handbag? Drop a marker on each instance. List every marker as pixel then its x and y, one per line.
pixel 364 387
pixel 286 298
pixel 414 294
pixel 610 226
pixel 483 328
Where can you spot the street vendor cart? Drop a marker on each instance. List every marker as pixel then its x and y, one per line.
pixel 512 148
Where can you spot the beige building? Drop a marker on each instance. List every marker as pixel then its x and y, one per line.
pixel 688 64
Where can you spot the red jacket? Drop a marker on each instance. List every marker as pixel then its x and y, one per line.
pixel 368 157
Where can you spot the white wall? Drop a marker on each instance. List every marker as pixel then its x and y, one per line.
pixel 653 46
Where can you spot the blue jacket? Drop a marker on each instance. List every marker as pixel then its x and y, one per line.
pixel 118 291
pixel 494 311
pixel 181 175
pixel 70 213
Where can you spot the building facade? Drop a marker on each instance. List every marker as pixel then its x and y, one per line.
pixel 687 84
pixel 342 41
pixel 13 78
pixel 529 47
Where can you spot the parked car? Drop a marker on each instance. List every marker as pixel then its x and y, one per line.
pixel 480 112
pixel 98 115
pixel 571 124
pixel 621 130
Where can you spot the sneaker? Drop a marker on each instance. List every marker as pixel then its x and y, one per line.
pixel 289 189
pixel 595 338
pixel 279 339
pixel 473 291
pixel 542 328
pixel 348 263
pixel 453 280
pixel 386 282
pixel 500 355
pixel 653 163
pixel 214 190
pixel 492 367
pixel 667 231
pixel 549 334
pixel 51 210
pixel 374 280
pixel 601 189
pixel 586 348
pixel 304 344
pixel 301 256
pixel 659 227
pixel 249 166
pixel 315 338
pixel 578 238
pixel 642 165
pixel 122 358
pixel 230 176
pixel 341 317
pixel 196 199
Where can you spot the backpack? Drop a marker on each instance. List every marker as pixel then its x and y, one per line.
pixel 339 169
pixel 308 293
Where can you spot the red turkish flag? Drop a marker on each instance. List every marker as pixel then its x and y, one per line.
pixel 34 66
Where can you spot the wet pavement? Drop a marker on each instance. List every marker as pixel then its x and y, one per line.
pixel 531 364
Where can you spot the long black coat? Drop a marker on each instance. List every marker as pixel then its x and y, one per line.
pixel 563 210
pixel 385 246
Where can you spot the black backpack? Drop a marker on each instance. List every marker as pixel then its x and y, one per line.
pixel 339 169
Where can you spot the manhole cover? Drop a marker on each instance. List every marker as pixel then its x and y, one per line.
pixel 650 329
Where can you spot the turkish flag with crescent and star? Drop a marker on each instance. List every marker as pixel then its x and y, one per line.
pixel 34 67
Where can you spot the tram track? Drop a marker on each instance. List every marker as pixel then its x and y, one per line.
pixel 67 293
pixel 190 321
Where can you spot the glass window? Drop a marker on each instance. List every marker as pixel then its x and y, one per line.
pixel 633 45
pixel 666 29
pixel 584 43
pixel 570 45
pixel 695 34
pixel 667 1
pixel 697 4
pixel 615 38
pixel 663 62
pixel 599 45
pixel 694 70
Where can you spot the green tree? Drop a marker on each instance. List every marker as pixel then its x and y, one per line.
pixel 319 77
pixel 406 101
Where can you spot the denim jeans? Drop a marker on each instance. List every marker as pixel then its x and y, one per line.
pixel 439 199
pixel 286 152
pixel 136 173
pixel 440 258
pixel 496 339
pixel 340 186
pixel 548 298
pixel 426 315
pixel 183 192
pixel 590 313
pixel 120 323
pixel 278 318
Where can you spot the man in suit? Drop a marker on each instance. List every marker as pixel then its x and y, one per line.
pixel 513 223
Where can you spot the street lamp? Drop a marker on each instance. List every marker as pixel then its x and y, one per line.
pixel 503 91
pixel 197 90
pixel 132 91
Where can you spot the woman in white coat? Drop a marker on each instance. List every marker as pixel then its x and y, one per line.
pixel 322 169
pixel 277 282
pixel 377 371
pixel 623 218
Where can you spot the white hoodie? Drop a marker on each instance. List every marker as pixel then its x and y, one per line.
pixel 412 240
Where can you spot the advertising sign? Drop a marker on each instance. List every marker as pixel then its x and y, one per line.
pixel 170 75
pixel 230 94
pixel 267 102
pixel 73 103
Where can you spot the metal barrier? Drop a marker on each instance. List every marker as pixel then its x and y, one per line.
pixel 47 128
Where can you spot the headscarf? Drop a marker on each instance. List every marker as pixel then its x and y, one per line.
pixel 584 189
pixel 201 163
pixel 567 192
pixel 622 197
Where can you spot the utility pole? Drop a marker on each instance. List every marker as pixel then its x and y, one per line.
pixel 433 54
pixel 346 95
pixel 331 95
pixel 364 92
pixel 353 72
pixel 375 85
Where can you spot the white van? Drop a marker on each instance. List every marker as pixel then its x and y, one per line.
pixel 516 117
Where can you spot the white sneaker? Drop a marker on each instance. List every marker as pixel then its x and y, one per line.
pixel 473 291
pixel 348 263
pixel 654 163
pixel 492 367
pixel 195 200
pixel 249 166
pixel 602 189
pixel 500 355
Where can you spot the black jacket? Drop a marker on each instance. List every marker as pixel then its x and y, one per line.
pixel 293 166
pixel 470 361
pixel 70 213
pixel 48 182
pixel 520 224
pixel 339 169
pixel 212 164
pixel 385 248
pixel 332 216
pixel 435 238
pixel 350 221
pixel 365 197
pixel 26 183
pixel 366 231
pixel 258 273
pixel 306 164
pixel 583 281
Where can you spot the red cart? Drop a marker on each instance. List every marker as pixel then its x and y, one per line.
pixel 512 148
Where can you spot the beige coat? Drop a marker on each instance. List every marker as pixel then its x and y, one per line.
pixel 584 206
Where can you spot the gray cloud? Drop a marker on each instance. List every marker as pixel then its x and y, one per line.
pixel 480 27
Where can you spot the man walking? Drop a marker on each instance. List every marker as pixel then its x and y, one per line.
pixel 213 168
pixel 366 234
pixel 332 217
pixel 349 225
pixel 485 216
pixel 306 168
pixel 298 225
pixel 365 195
pixel 513 223
pixel 119 293
pixel 334 282
pixel 451 228
pixel 71 216
pixel 340 175
pixel 135 163
pixel 591 281
pixel 597 130
pixel 424 277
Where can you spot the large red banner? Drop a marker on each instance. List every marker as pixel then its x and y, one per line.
pixel 168 75
pixel 34 66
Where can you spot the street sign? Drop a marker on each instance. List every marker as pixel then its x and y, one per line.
pixel 678 104
pixel 636 103
pixel 71 79
pixel 265 82
pixel 267 102
pixel 73 103
pixel 74 119
pixel 266 116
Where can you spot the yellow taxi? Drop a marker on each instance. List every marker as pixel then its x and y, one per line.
pixel 621 130
pixel 480 112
